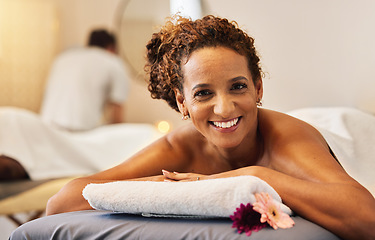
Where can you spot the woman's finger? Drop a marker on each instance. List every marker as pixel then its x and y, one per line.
pixel 175 175
pixel 171 175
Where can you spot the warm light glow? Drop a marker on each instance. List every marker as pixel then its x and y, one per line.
pixel 164 126
pixel 28 44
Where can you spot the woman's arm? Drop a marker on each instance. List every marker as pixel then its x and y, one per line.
pixel 310 181
pixel 70 198
pixel 343 207
pixel 148 162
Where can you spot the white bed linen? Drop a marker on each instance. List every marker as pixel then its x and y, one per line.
pixel 46 152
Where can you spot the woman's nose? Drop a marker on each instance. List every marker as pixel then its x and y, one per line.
pixel 224 106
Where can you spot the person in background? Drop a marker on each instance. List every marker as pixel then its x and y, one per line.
pixel 84 83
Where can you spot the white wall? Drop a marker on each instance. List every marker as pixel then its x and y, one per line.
pixel 78 17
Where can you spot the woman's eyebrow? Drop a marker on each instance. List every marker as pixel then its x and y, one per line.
pixel 238 78
pixel 201 85
pixel 205 85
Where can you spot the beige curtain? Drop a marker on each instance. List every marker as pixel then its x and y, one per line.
pixel 28 43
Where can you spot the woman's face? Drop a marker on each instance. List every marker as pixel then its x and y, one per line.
pixel 220 96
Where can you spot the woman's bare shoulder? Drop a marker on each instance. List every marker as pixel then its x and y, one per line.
pixel 281 126
pixel 181 134
pixel 185 140
pixel 170 152
pixel 293 144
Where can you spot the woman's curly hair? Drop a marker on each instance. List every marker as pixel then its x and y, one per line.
pixel 172 46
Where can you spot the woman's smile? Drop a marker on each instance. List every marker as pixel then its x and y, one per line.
pixel 226 126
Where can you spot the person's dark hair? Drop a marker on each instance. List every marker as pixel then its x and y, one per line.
pixel 101 38
pixel 168 50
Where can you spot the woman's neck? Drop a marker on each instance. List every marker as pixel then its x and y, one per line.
pixel 248 153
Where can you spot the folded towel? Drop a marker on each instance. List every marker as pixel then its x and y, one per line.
pixel 209 198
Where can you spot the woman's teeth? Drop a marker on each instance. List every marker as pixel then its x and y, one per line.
pixel 227 124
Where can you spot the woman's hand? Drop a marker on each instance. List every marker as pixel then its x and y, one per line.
pixel 185 177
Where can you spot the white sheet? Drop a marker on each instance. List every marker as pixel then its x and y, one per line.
pixel 46 152
pixel 209 198
pixel 351 135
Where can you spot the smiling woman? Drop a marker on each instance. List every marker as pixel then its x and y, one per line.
pixel 219 95
pixel 208 69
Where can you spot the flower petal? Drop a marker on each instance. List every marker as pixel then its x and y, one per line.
pixel 270 212
pixel 245 219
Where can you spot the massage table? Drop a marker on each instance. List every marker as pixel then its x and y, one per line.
pixel 52 157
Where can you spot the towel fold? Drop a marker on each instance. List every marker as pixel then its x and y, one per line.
pixel 209 198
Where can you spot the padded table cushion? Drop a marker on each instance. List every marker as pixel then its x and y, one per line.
pixel 96 224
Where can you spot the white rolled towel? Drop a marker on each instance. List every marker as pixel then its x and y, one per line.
pixel 207 198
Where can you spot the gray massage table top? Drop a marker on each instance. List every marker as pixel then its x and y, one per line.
pixel 96 224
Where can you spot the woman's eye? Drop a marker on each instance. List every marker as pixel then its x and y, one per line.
pixel 239 86
pixel 202 94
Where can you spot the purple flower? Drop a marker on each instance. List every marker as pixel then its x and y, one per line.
pixel 245 219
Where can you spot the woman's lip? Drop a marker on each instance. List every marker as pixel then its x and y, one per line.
pixel 224 129
pixel 226 124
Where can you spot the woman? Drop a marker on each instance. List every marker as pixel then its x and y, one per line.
pixel 209 71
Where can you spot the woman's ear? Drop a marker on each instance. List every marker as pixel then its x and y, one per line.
pixel 180 99
pixel 259 88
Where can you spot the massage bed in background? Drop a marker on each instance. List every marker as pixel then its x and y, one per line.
pixel 27 196
pixel 49 153
pixel 53 157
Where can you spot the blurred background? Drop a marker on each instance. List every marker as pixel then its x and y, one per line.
pixel 315 53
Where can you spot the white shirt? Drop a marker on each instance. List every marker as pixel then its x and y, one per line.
pixel 81 82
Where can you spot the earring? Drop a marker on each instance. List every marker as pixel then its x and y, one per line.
pixel 185 117
pixel 259 102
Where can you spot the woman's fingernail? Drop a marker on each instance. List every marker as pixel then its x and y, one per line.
pixel 176 172
pixel 165 172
